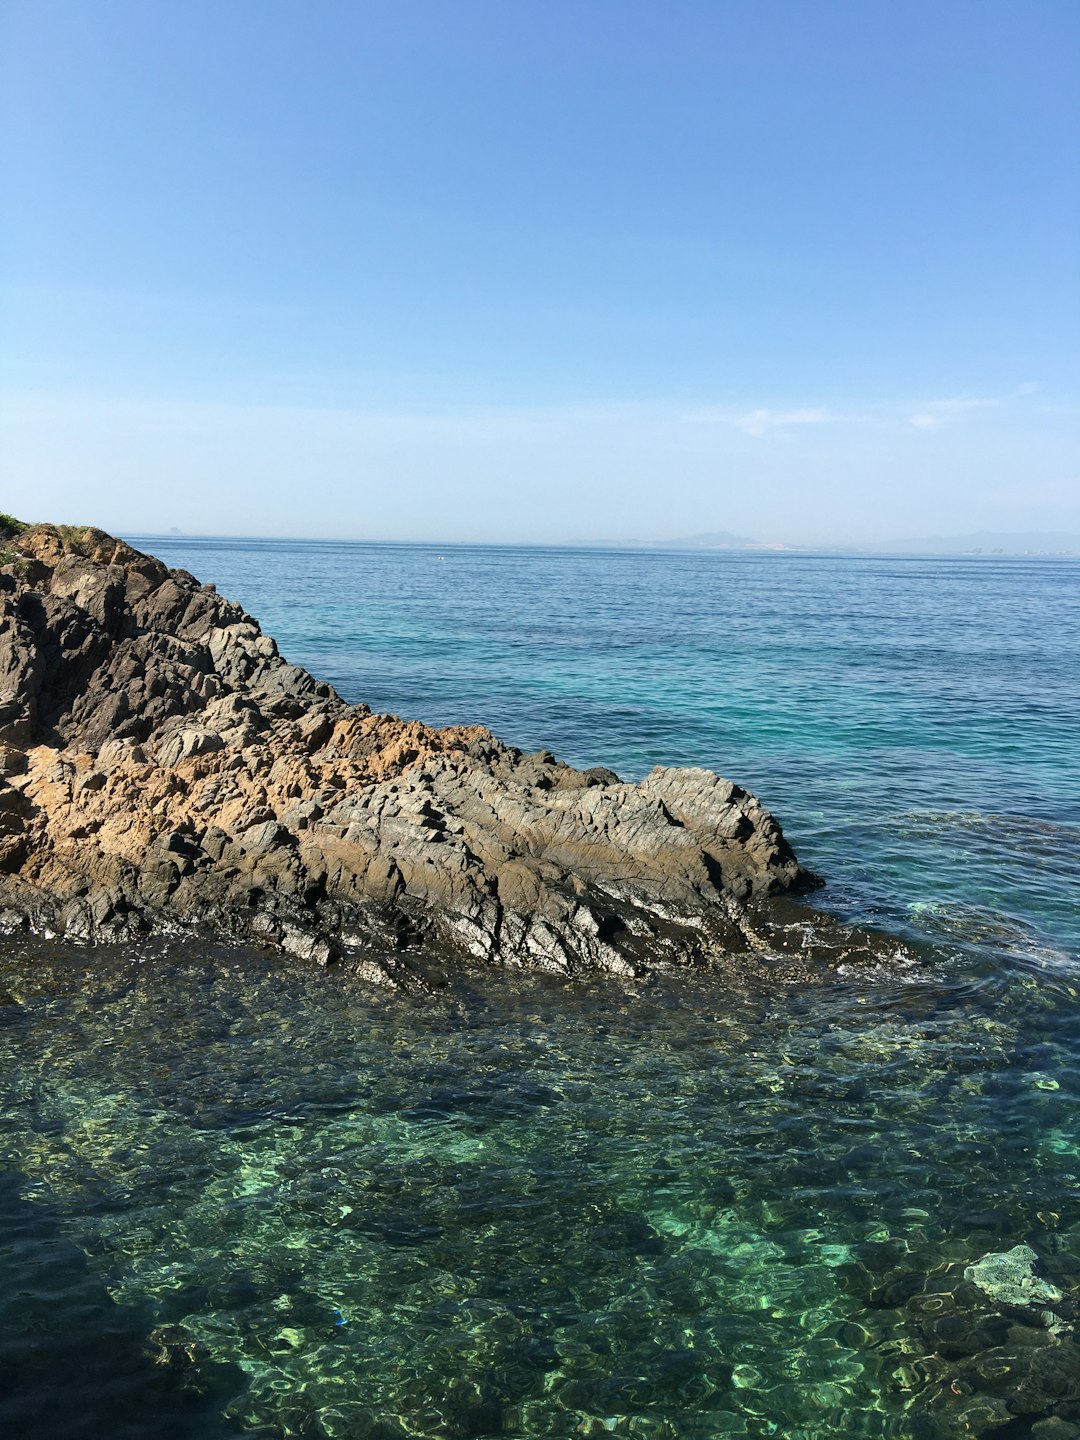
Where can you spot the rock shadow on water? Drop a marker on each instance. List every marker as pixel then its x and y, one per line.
pixel 75 1364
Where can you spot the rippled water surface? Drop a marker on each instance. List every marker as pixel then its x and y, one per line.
pixel 243 1198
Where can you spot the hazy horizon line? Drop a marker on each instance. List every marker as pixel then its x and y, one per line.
pixel 974 542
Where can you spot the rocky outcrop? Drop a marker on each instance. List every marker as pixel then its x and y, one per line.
pixel 163 767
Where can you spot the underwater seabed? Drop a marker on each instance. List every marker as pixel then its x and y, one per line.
pixel 523 1207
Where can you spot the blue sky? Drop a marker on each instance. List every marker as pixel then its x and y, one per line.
pixel 471 269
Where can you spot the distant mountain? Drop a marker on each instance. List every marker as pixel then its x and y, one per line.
pixel 981 542
pixel 714 540
pixel 986 542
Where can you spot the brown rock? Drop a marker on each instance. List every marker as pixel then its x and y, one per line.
pixel 161 764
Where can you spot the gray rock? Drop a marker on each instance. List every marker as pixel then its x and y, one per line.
pixel 164 766
pixel 1008 1278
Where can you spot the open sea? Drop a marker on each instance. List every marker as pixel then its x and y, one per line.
pixel 244 1198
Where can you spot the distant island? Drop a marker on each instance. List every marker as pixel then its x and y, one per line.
pixel 983 542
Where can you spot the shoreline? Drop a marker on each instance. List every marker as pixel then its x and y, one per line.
pixel 164 766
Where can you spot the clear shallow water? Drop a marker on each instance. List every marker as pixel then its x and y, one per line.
pixel 246 1198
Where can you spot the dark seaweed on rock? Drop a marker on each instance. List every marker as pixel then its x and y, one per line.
pixel 163 767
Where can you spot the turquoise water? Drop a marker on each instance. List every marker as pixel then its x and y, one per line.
pixel 248 1199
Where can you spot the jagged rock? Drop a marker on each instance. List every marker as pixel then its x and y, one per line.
pixel 161 765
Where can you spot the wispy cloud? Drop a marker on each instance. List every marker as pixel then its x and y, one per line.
pixel 933 414
pixel 940 412
pixel 760 422
pixel 921 415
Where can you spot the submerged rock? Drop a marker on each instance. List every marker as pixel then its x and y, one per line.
pixel 1008 1278
pixel 163 767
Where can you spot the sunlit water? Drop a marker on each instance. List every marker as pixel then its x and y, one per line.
pixel 246 1198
